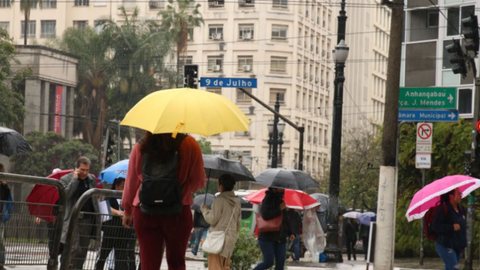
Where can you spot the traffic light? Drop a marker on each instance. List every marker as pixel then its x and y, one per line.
pixel 475 167
pixel 457 57
pixel 470 34
pixel 190 73
pixel 109 152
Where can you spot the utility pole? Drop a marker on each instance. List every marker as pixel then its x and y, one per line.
pixel 387 185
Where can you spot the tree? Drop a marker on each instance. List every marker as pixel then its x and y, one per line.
pixel 177 19
pixel 11 98
pixel 51 151
pixel 26 6
pixel 205 145
pixel 359 169
pixel 95 74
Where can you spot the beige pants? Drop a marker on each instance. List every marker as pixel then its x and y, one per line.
pixel 217 262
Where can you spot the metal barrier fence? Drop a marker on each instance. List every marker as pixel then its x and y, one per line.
pixel 25 241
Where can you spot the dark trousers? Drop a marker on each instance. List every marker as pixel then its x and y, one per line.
pixel 271 250
pixel 81 241
pixel 158 232
pixel 365 245
pixel 122 241
pixel 350 243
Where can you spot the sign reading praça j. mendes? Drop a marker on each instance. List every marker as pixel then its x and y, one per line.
pixel 427 98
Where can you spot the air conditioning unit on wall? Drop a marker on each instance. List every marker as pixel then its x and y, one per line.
pixel 217 68
pixel 217 36
pixel 247 68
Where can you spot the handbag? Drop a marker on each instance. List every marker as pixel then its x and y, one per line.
pixel 270 225
pixel 215 240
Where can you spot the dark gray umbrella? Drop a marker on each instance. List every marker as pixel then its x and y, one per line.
pixel 285 178
pixel 215 166
pixel 322 199
pixel 12 142
pixel 201 199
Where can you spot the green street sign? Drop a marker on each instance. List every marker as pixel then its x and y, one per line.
pixel 427 98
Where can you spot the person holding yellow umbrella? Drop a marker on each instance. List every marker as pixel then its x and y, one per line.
pixel 169 162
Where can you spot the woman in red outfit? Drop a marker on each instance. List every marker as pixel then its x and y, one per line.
pixel 156 232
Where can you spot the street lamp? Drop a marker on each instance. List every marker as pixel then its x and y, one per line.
pixel 333 249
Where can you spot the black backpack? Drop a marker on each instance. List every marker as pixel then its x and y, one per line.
pixel 161 192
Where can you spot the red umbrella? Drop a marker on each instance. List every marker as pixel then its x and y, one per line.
pixel 295 199
pixel 42 198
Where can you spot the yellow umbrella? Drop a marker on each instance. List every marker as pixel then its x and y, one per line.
pixel 186 110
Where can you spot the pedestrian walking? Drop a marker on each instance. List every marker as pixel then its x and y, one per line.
pixel 273 243
pixel 295 244
pixel 224 216
pixel 450 227
pixel 173 167
pixel 76 183
pixel 200 228
pixel 5 208
pixel 350 230
pixel 117 238
pixel 364 232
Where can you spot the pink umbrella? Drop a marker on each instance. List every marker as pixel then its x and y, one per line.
pixel 429 195
pixel 295 199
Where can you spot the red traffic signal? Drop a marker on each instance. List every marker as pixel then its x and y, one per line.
pixel 477 126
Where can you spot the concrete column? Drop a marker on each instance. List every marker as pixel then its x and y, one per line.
pixel 32 106
pixel 45 97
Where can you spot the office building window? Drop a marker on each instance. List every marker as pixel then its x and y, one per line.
pixel 280 4
pixel 80 3
pixel 245 63
pixel 5 3
pixel 273 95
pixel 48 29
pixel 215 63
pixel 246 3
pixel 245 31
pixel 156 4
pixel 278 64
pixel 242 97
pixel 216 3
pixel 48 4
pixel 31 29
pixel 80 24
pixel 186 60
pixel 5 26
pixel 215 32
pixel 279 31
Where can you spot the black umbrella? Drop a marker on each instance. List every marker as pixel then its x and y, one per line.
pixel 200 199
pixel 215 166
pixel 12 142
pixel 285 178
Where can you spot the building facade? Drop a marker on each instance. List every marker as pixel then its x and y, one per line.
pixel 429 27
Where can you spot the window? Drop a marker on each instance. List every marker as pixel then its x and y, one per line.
pixel 246 3
pixel 5 3
pixel 273 95
pixel 79 3
pixel 190 34
pixel 215 32
pixel 432 19
pixel 242 97
pixel 48 29
pixel 278 64
pixel 80 24
pixel 156 4
pixel 215 90
pixel 5 25
pixel 48 4
pixel 280 3
pixel 99 25
pixel 455 15
pixel 279 32
pixel 216 3
pixel 245 63
pixel 215 63
pixel 186 60
pixel 31 29
pixel 245 31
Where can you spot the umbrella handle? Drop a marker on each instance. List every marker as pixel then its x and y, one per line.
pixel 206 188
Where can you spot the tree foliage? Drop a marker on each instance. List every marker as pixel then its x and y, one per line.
pixel 11 85
pixel 359 169
pixel 450 140
pixel 51 151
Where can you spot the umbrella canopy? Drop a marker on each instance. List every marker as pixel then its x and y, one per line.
pixel 186 110
pixel 215 166
pixel 366 218
pixel 429 195
pixel 42 198
pixel 201 199
pixel 322 199
pixel 118 169
pixel 286 178
pixel 12 142
pixel 352 214
pixel 295 199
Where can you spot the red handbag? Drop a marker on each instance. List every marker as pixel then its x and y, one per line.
pixel 271 225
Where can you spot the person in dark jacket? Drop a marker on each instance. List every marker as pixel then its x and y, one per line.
pixel 199 232
pixel 350 230
pixel 450 226
pixel 273 244
pixel 116 237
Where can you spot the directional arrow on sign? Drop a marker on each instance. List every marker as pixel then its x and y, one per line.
pixel 450 98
